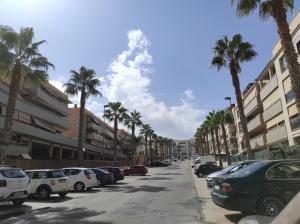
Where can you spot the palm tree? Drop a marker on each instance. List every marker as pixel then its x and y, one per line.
pixel 155 139
pixel 133 121
pixel 144 131
pixel 85 83
pixel 211 128
pixel 216 120
pixel 231 53
pixel 115 112
pixel 21 62
pixel 151 133
pixel 277 9
pixel 226 118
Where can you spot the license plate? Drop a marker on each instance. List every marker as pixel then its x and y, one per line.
pixel 19 194
pixel 217 187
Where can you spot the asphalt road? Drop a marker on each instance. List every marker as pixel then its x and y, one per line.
pixel 165 195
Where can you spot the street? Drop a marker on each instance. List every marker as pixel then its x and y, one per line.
pixel 165 195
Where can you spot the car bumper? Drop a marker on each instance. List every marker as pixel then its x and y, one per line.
pixel 234 202
pixel 14 195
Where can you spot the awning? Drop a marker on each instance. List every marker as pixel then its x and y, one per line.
pixel 42 125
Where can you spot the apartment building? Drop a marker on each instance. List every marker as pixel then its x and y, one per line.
pixel 269 103
pixel 96 133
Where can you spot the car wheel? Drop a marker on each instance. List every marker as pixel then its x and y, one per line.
pixel 62 195
pixel 18 202
pixel 270 206
pixel 199 175
pixel 43 193
pixel 79 187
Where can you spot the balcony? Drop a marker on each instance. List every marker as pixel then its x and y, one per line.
pixel 268 88
pixel 94 136
pixel 276 134
pixel 95 127
pixel 251 106
pixel 258 142
pixel 255 122
pixel 36 111
pixel 272 111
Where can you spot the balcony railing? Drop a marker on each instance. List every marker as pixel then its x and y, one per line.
pixel 268 88
pixel 255 122
pixel 251 106
pixel 276 134
pixel 258 141
pixel 272 111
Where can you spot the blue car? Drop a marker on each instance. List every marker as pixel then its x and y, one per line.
pixel 116 171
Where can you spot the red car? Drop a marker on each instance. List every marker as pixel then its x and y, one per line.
pixel 135 170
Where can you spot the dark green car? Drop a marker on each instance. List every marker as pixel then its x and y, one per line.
pixel 264 187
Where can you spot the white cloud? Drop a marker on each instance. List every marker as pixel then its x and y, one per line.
pixel 129 83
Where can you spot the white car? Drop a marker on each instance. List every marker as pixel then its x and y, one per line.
pixel 45 182
pixel 13 185
pixel 81 178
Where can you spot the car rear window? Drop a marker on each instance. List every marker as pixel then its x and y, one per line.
pixel 89 171
pixel 13 173
pixel 248 170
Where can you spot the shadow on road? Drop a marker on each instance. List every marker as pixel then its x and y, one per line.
pixel 168 174
pixel 52 199
pixel 92 191
pixel 133 189
pixel 59 215
pixel 9 210
pixel 236 217
pixel 155 178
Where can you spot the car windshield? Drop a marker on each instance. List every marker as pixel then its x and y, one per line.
pixel 248 170
pixel 225 170
pixel 13 173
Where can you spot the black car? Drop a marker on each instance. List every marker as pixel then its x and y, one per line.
pixel 158 164
pixel 103 176
pixel 206 169
pixel 263 187
pixel 210 179
pixel 116 171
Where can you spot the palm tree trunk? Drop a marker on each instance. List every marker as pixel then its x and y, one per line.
pixel 150 147
pixel 133 147
pixel 239 100
pixel 207 145
pixel 213 142
pixel 146 151
pixel 10 109
pixel 115 139
pixel 218 148
pixel 81 126
pixel 225 143
pixel 279 14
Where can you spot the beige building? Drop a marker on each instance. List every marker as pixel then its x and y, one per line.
pixel 269 103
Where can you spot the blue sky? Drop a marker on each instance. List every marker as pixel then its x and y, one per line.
pixel 152 55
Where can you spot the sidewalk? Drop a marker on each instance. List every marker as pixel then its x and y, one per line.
pixel 212 213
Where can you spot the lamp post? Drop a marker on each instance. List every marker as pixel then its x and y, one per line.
pixel 229 99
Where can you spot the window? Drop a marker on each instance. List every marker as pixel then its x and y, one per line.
pixel 289 96
pixel 39 175
pixel 283 64
pixel 70 172
pixel 13 173
pixel 295 122
pixel 289 170
pixel 57 174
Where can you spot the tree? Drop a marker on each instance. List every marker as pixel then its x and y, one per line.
pixel 144 131
pixel 151 133
pixel 216 121
pixel 231 53
pixel 133 121
pixel 115 112
pixel 85 83
pixel 20 62
pixel 225 118
pixel 277 9
pixel 211 127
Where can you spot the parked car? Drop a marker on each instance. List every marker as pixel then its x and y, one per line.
pixel 157 163
pixel 206 169
pixel 228 170
pixel 263 187
pixel 81 178
pixel 104 177
pixel 135 170
pixel 44 182
pixel 168 162
pixel 13 185
pixel 116 171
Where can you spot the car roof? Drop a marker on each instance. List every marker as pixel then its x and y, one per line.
pixel 78 168
pixel 8 168
pixel 37 170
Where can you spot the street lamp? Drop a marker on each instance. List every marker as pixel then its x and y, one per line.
pixel 229 99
